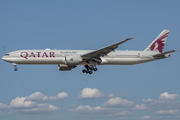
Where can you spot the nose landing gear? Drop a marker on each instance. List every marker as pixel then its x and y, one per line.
pixel 15 69
pixel 89 69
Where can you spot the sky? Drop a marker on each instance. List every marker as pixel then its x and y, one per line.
pixel 148 91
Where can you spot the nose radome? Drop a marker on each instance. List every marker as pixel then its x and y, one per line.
pixel 4 58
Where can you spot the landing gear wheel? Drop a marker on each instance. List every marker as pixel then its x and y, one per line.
pixel 83 70
pixel 95 69
pixel 15 69
pixel 90 72
pixel 89 69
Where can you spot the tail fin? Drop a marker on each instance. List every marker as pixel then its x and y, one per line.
pixel 159 42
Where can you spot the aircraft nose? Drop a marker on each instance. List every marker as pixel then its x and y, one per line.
pixel 3 58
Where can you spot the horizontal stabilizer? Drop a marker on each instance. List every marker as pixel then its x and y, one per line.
pixel 164 53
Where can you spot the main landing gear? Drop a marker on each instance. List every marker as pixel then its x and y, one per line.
pixel 89 69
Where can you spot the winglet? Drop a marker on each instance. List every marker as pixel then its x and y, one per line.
pixel 129 38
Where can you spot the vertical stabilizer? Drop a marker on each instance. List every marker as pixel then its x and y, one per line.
pixel 159 42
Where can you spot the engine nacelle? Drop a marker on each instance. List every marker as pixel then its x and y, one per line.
pixel 73 60
pixel 103 61
pixel 63 67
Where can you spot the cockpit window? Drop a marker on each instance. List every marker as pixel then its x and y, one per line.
pixel 6 54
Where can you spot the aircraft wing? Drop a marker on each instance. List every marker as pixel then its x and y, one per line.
pixel 103 51
pixel 157 55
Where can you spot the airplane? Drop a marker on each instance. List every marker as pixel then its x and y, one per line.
pixel 69 59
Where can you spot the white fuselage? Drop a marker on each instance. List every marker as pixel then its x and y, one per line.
pixel 58 57
pixel 69 59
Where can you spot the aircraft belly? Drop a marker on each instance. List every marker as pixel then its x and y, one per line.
pixel 126 61
pixel 60 60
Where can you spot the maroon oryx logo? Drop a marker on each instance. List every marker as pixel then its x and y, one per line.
pixel 159 43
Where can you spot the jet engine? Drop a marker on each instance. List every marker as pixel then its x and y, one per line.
pixel 73 60
pixel 63 67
